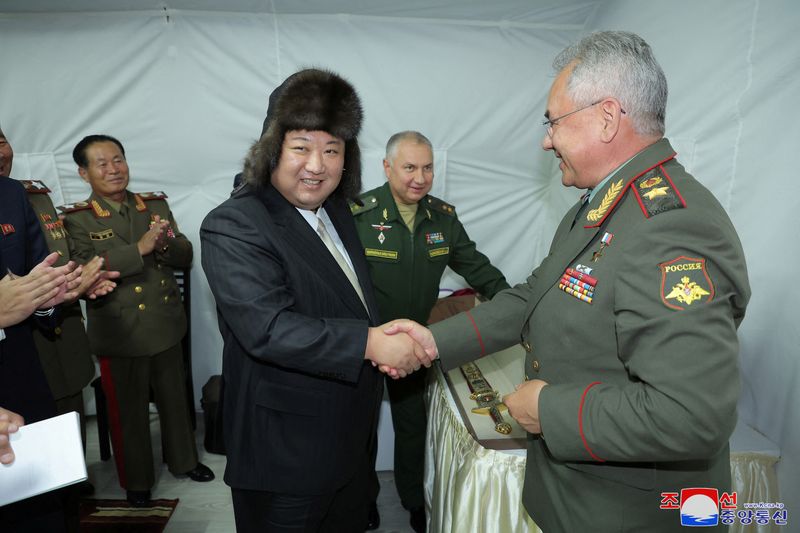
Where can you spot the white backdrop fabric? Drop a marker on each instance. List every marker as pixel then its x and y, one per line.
pixel 184 86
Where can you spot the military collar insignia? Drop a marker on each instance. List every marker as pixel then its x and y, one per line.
pixel 615 191
pixel 35 186
pixel 684 281
pixel 99 211
pixel 609 199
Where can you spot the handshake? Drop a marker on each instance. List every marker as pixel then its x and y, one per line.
pixel 400 347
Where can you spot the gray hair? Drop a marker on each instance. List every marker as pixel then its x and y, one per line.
pixel 619 64
pixel 394 141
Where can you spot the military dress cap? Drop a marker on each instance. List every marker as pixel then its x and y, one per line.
pixel 312 100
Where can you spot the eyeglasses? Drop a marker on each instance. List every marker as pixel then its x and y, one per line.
pixel 548 124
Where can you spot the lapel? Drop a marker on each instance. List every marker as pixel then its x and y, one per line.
pixel 306 243
pixel 566 248
pixel 108 217
pixel 345 226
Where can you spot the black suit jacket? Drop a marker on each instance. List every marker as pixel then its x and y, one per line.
pixel 300 403
pixel 23 388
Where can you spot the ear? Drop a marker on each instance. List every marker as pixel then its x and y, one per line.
pixel 386 168
pixel 611 114
pixel 83 174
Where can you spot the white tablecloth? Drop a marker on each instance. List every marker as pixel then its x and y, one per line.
pixel 471 488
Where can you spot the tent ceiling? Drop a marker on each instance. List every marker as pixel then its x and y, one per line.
pixel 549 12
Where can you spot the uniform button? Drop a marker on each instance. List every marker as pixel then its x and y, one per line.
pixel 527 377
pixel 163 283
pixel 60 253
pixel 137 289
pixel 158 266
pixel 166 299
pixel 58 331
pixel 527 346
pixel 142 307
pixel 535 365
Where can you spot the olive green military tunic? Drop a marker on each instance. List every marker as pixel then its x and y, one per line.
pixel 406 269
pixel 64 351
pixel 632 320
pixel 136 330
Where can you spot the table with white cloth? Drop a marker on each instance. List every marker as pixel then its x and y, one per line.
pixel 472 487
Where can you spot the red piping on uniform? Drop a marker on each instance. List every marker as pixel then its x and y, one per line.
pixel 477 333
pixel 114 426
pixel 639 200
pixel 619 197
pixel 580 422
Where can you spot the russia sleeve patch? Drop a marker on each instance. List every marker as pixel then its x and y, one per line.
pixel 685 282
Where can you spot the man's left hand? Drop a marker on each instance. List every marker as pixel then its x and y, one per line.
pixel 523 405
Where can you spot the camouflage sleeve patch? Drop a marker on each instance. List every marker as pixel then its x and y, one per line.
pixel 72 208
pixel 363 204
pixel 34 187
pixel 685 282
pixel 656 193
pixel 439 205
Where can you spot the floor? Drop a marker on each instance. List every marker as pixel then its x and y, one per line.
pixel 206 507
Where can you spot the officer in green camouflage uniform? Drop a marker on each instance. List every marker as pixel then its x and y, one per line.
pixel 64 352
pixel 136 331
pixel 409 237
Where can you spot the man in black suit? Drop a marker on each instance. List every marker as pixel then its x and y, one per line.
pixel 300 385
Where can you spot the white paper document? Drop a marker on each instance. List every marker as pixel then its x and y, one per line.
pixel 49 455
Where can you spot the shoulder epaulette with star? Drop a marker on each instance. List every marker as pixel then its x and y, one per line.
pixel 155 195
pixel 363 204
pixel 439 205
pixel 34 186
pixel 73 208
pixel 656 193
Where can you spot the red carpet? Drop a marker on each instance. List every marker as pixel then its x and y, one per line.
pixel 118 516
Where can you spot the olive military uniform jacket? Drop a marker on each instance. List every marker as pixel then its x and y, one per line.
pixel 632 320
pixel 144 315
pixel 63 350
pixel 406 269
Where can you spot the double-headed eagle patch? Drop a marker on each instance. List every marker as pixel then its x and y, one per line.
pixel 685 282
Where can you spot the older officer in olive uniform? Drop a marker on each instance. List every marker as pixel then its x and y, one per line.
pixel 136 331
pixel 409 237
pixel 630 322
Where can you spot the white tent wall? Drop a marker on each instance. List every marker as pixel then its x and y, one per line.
pixel 186 90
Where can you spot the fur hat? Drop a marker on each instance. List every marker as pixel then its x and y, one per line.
pixel 313 100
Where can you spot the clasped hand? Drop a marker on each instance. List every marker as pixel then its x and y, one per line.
pixel 155 238
pixel 400 347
